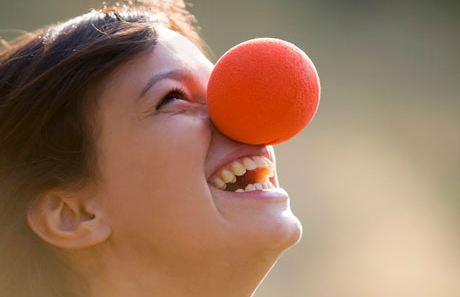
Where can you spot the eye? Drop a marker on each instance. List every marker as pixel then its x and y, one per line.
pixel 174 94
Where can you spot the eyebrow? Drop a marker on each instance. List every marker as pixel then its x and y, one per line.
pixel 177 74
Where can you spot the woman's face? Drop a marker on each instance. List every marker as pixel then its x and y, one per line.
pixel 159 155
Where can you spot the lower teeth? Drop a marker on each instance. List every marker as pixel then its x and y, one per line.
pixel 256 186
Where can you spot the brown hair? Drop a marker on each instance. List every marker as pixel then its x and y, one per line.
pixel 48 82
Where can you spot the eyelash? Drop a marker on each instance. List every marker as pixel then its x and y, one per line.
pixel 176 93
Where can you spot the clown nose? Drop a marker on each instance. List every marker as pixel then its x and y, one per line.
pixel 263 91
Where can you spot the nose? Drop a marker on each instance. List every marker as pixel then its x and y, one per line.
pixel 220 141
pixel 217 137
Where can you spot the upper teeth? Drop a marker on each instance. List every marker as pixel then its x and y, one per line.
pixel 260 162
pixel 239 167
pixel 249 164
pixel 227 176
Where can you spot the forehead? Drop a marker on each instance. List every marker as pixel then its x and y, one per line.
pixel 171 52
pixel 174 48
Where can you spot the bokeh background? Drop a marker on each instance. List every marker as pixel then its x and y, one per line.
pixel 375 178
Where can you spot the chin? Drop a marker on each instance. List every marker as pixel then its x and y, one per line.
pixel 276 232
pixel 269 229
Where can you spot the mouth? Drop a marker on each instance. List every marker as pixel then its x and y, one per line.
pixel 245 174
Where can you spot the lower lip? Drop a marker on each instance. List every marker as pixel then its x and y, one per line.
pixel 267 195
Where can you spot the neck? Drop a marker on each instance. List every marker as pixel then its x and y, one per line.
pixel 231 276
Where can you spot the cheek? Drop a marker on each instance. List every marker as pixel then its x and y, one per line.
pixel 155 174
pixel 178 148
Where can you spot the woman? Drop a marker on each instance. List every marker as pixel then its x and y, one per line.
pixel 113 180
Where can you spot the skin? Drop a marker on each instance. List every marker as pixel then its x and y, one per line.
pixel 153 225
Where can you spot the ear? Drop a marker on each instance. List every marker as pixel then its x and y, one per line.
pixel 69 220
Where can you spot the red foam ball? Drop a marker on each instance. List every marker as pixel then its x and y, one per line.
pixel 263 91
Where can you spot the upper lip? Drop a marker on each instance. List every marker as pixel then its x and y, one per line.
pixel 243 151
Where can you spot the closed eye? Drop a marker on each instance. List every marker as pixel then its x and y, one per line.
pixel 175 94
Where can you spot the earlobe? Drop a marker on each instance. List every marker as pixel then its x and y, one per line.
pixel 68 221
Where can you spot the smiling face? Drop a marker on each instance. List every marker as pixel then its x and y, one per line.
pixel 159 157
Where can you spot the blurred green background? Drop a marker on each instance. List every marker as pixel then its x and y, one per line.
pixel 375 178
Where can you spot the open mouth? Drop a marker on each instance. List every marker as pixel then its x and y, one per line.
pixel 245 174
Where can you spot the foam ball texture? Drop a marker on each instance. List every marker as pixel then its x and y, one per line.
pixel 263 91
